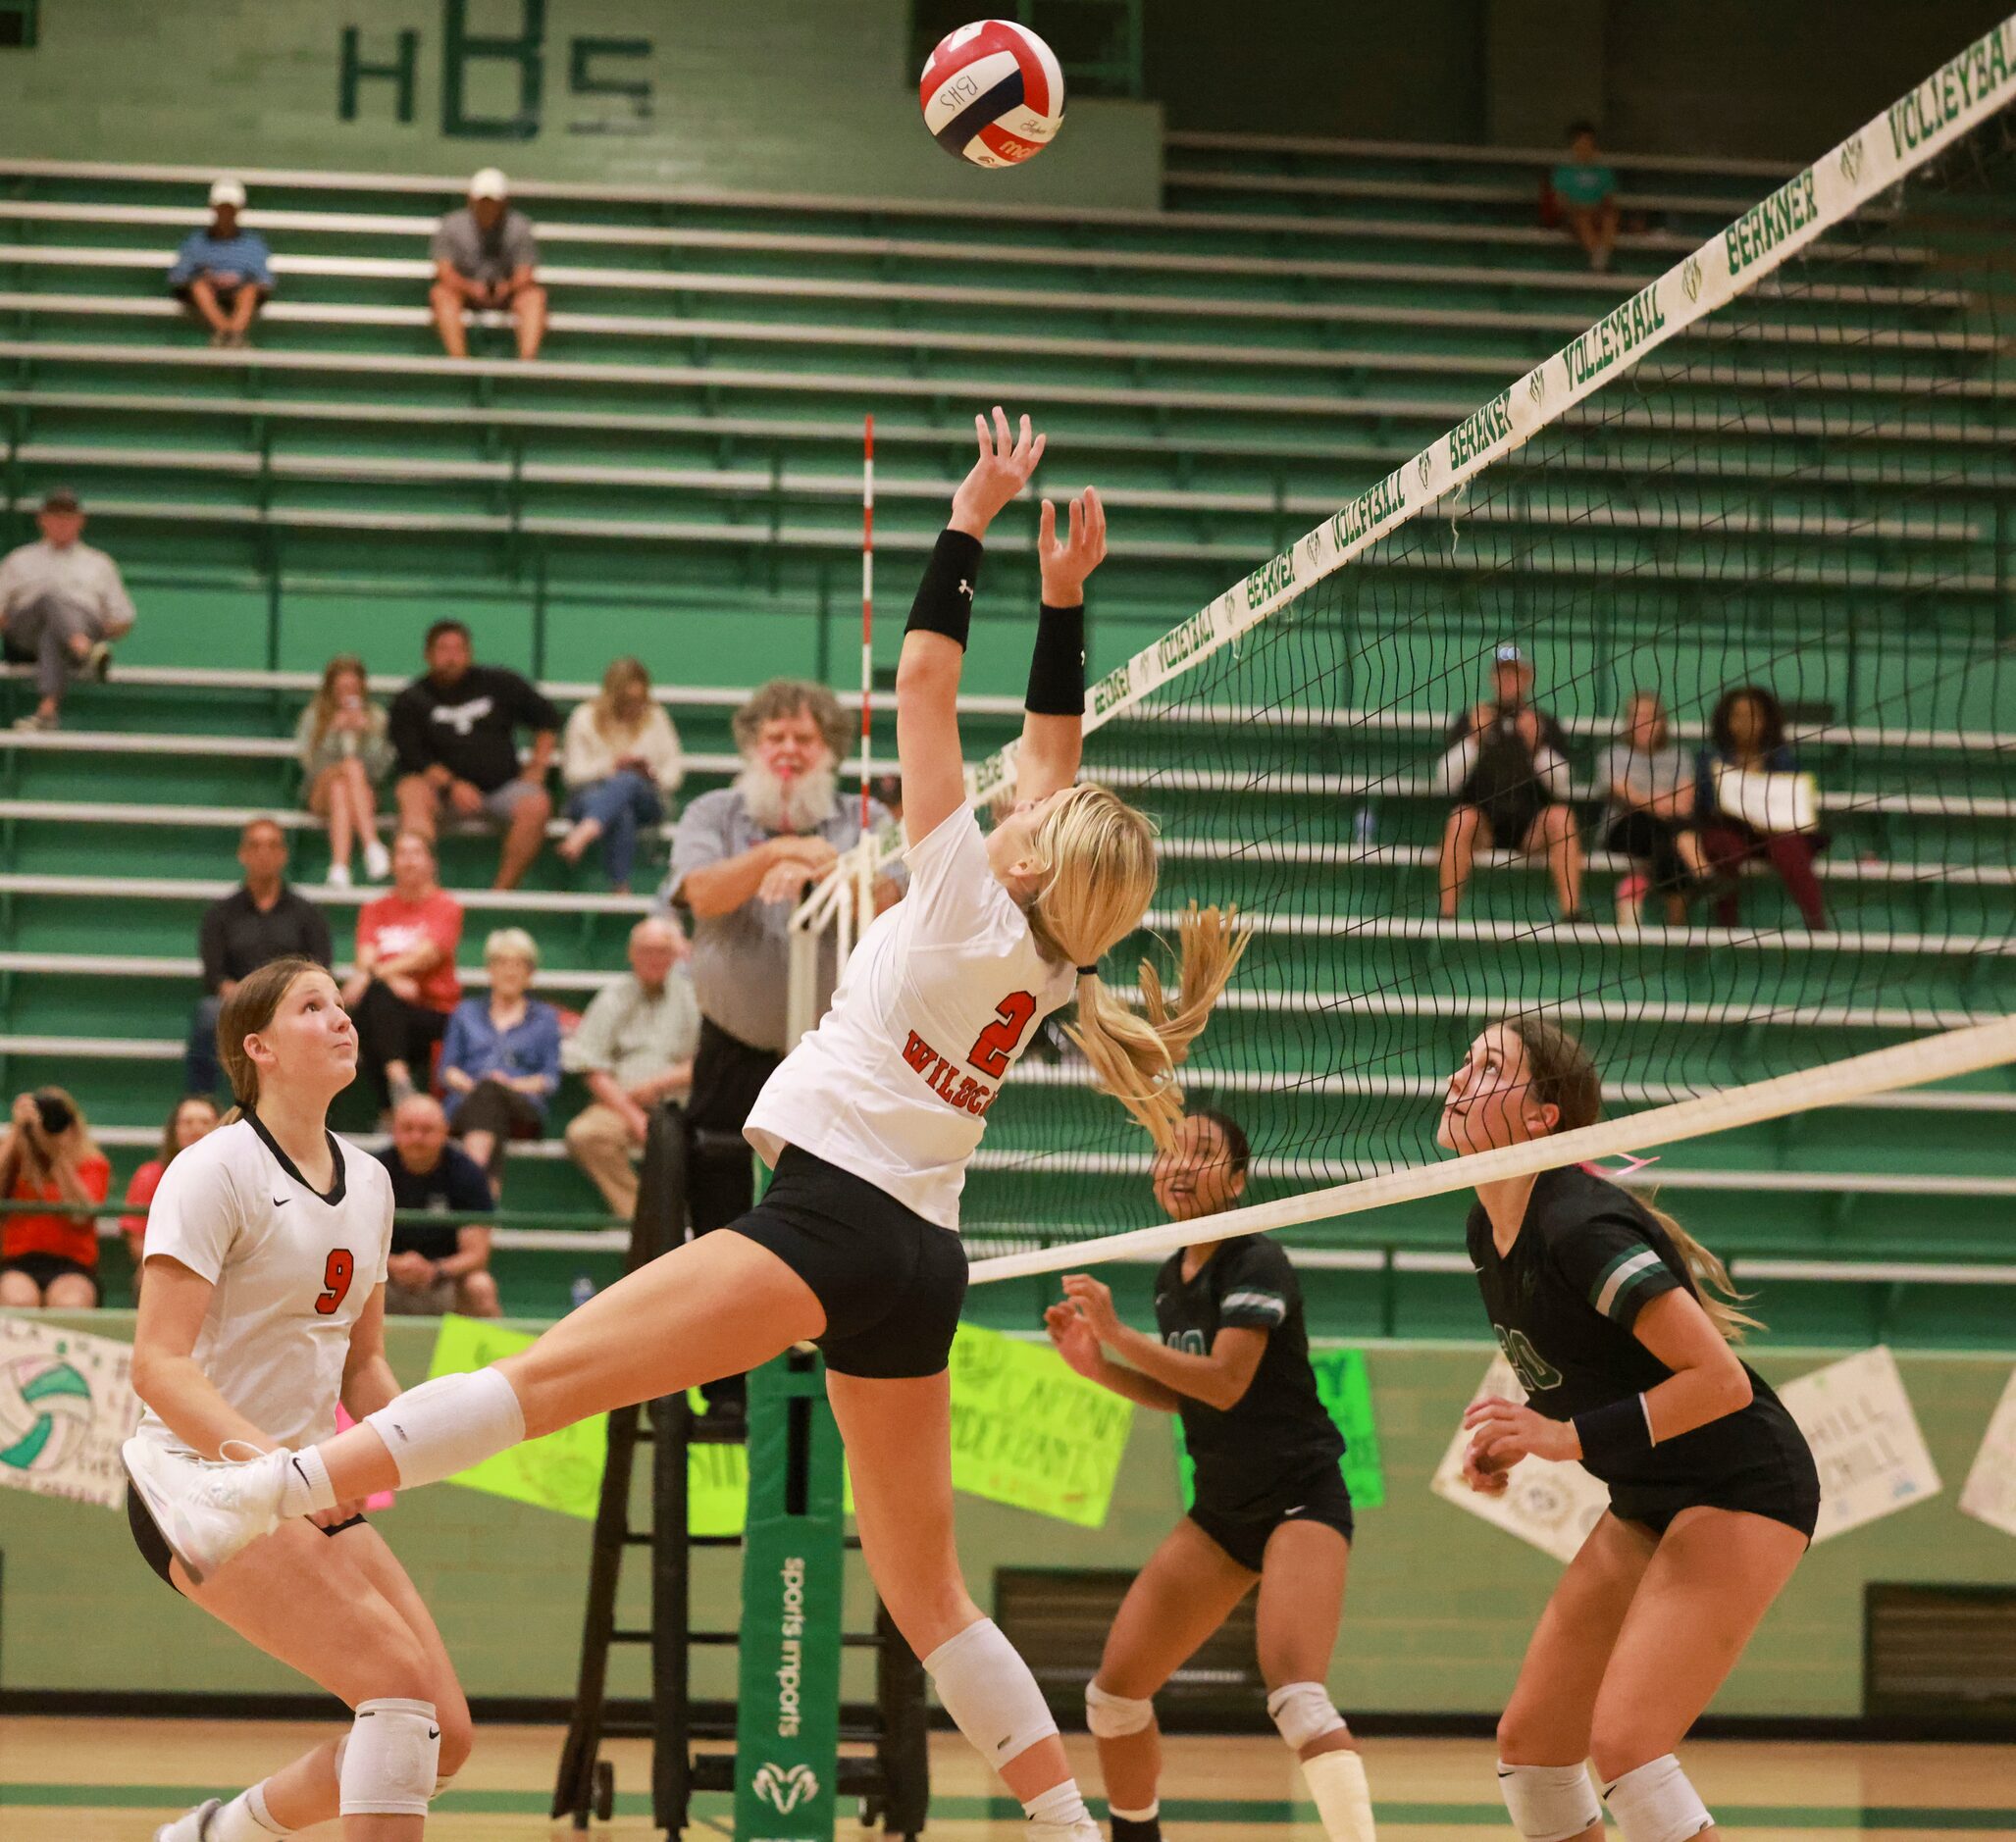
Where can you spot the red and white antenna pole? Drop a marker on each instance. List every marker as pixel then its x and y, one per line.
pixel 867 603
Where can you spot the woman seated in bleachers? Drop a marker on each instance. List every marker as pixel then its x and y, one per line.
pixel 1752 802
pixel 500 1063
pixel 1650 817
pixel 404 986
pixel 621 761
pixel 48 1155
pixel 345 755
pixel 194 1117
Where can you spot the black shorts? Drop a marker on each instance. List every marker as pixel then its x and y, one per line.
pixel 1511 817
pixel 155 1551
pixel 1322 1497
pixel 1785 1492
pixel 43 1267
pixel 891 1282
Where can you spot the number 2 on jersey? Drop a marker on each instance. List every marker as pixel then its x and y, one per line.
pixel 993 1047
pixel 337 1273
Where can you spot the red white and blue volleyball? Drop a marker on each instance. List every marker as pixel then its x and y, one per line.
pixel 993 93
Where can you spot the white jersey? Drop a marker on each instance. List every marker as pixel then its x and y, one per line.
pixel 932 1011
pixel 291 1270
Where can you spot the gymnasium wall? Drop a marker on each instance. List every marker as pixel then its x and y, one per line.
pixel 1440 1605
pixel 771 94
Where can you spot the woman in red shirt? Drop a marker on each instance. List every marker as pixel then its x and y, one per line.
pixel 404 985
pixel 48 1157
pixel 193 1119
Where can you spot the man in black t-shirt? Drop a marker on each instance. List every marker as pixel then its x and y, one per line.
pixel 437 1267
pixel 262 920
pixel 1506 762
pixel 455 729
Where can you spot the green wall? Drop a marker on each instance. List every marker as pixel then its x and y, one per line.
pixel 775 94
pixel 1439 1610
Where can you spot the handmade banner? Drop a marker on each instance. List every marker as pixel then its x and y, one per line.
pixel 1345 1389
pixel 65 1407
pixel 1553 1506
pixel 1990 1492
pixel 1871 1458
pixel 1027 1431
pixel 563 1471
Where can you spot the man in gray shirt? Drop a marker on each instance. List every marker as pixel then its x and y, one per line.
pixel 62 604
pixel 742 860
pixel 483 257
pixel 633 1047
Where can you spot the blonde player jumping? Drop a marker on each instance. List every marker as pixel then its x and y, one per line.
pixel 263 1305
pixel 870 1125
pixel 1272 1510
pixel 1606 1311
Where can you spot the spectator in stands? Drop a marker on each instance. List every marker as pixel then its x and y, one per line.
pixel 437 1267
pixel 454 730
pixel 345 750
pixel 888 788
pixel 404 987
pixel 1585 194
pixel 193 1119
pixel 1757 813
pixel 62 606
pixel 742 857
pixel 224 272
pixel 48 1155
pixel 1507 765
pixel 500 1064
pixel 484 258
pixel 633 1047
pixel 1650 817
pixel 620 759
pixel 262 919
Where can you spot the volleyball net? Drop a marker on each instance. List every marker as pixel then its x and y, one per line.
pixel 1785 466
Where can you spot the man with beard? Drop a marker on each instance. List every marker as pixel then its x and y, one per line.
pixel 742 860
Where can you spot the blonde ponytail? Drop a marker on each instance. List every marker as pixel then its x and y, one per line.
pixel 1094 865
pixel 1713 1287
pixel 1135 1058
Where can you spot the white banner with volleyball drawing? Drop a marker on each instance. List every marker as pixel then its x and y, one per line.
pixel 66 1404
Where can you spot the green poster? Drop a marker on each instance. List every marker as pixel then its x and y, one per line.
pixel 1344 1388
pixel 563 1471
pixel 1027 1431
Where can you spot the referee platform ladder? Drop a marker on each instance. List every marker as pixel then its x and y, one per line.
pixel 794 1489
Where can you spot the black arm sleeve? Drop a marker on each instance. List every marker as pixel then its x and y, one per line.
pixel 1056 667
pixel 945 598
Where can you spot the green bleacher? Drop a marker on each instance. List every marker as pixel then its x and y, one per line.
pixel 679 477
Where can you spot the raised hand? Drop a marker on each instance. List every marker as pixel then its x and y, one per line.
pixel 1072 1335
pixel 1095 1300
pixel 1065 565
pixel 1006 460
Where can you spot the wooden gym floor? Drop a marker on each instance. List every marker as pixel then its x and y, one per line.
pixel 89 1781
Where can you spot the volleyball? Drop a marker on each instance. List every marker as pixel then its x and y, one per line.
pixel 993 93
pixel 45 1412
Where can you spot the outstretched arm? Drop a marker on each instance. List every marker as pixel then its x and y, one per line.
pixel 934 645
pixel 1054 728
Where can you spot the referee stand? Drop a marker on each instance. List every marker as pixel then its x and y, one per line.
pixel 784 1768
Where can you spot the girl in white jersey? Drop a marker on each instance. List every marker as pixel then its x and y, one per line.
pixel 870 1122
pixel 263 1305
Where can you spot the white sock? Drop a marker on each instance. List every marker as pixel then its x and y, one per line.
pixel 447 1424
pixel 1062 1805
pixel 245 1819
pixel 1343 1799
pixel 307 1489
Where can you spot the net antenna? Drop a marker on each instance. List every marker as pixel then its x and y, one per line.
pixel 1755 445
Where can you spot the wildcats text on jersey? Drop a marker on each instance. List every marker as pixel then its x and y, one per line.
pixel 945 1080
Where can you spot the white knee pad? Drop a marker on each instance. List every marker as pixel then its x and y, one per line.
pixel 1655 1803
pixel 447 1424
pixel 1114 1717
pixel 989 1693
pixel 1549 1803
pixel 1302 1712
pixel 393 1760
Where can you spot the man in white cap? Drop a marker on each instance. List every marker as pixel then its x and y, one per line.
pixel 483 257
pixel 223 272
